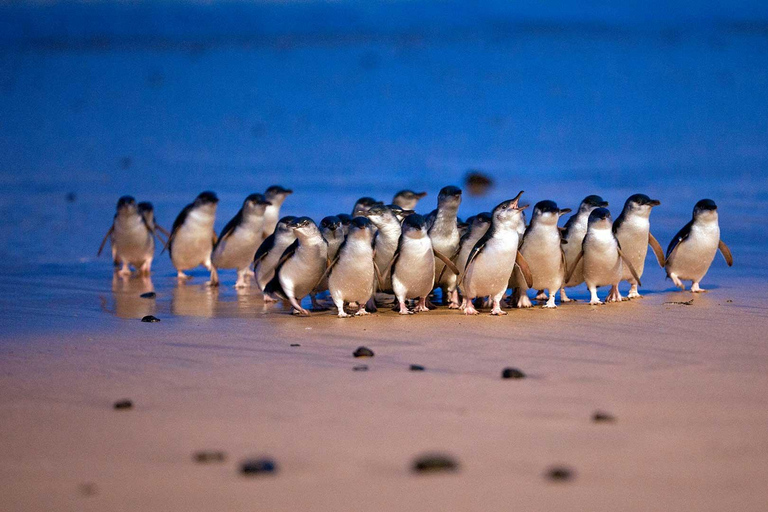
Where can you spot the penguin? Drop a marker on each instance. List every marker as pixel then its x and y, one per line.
pixel 148 212
pixel 692 250
pixel 332 232
pixel 388 230
pixel 633 231
pixel 541 248
pixel 413 266
pixel 573 234
pixel 444 233
pixel 132 239
pixel 192 236
pixel 477 227
pixel 241 238
pixel 603 259
pixel 268 254
pixel 352 273
pixel 363 205
pixel 275 195
pixel 345 219
pixel 493 257
pixel 301 266
pixel 407 199
pixel 399 212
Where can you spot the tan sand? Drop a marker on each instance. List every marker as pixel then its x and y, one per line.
pixel 687 384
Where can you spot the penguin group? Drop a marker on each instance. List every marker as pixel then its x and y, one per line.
pixel 389 255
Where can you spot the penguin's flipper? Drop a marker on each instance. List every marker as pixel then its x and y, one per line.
pixel 524 268
pixel 570 271
pixel 657 250
pixel 264 248
pixel 112 228
pixel 275 289
pixel 679 237
pixel 631 267
pixel 477 249
pixel 726 253
pixel 564 262
pixel 287 253
pixel 228 229
pixel 162 230
pixel 215 239
pixel 379 279
pixel 329 265
pixel 448 263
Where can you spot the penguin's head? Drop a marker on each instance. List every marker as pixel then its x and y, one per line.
pixel 547 212
pixel 255 203
pixel 360 227
pixel 206 199
pixel 509 210
pixel 284 225
pixel 380 215
pixel 409 196
pixel 640 204
pixel 364 204
pixel 126 204
pixel 415 226
pixel 482 219
pixel 330 224
pixel 277 194
pixel 706 209
pixel 591 202
pixel 399 212
pixel 600 218
pixel 304 227
pixel 449 196
pixel 345 219
pixel 146 209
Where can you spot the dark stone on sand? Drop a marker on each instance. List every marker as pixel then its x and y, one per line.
pixel 417 368
pixel 603 417
pixel 361 368
pixel 258 466
pixel 87 489
pixel 148 295
pixel 363 352
pixel 123 404
pixel 512 373
pixel 150 319
pixel 559 474
pixel 205 457
pixel 295 345
pixel 434 463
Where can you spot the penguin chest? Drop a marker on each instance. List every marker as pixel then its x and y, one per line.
pixel 693 256
pixel 633 237
pixel 489 272
pixel 543 254
pixel 131 240
pixel 237 250
pixel 352 277
pixel 193 241
pixel 303 270
pixel 602 264
pixel 414 274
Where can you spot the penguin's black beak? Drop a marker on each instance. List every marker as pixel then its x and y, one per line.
pixel 654 202
pixel 419 195
pixel 264 202
pixel 604 204
pixel 516 200
pixel 564 211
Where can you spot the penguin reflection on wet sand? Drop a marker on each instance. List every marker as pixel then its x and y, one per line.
pixel 240 239
pixel 132 239
pixel 301 266
pixel 602 257
pixel 276 196
pixel 192 236
pixel 493 258
pixel 408 199
pixel 269 252
pixel 573 235
pixel 692 250
pixel 633 231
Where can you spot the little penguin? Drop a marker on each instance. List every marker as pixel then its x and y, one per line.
pixel 271 249
pixel 444 233
pixel 399 212
pixel 573 234
pixel 192 236
pixel 333 234
pixel 351 274
pixel 541 248
pixel 413 267
pixel 633 231
pixel 603 259
pixel 692 250
pixel 385 241
pixel 131 237
pixel 275 195
pixel 301 266
pixel 363 205
pixel 407 199
pixel 345 219
pixel 477 227
pixel 148 212
pixel 240 239
pixel 494 256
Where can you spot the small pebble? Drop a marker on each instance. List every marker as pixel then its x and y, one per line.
pixel 559 474
pixel 123 404
pixel 295 345
pixel 417 368
pixel 209 456
pixel 363 352
pixel 87 489
pixel 512 373
pixel 603 417
pixel 361 368
pixel 258 466
pixel 148 295
pixel 150 318
pixel 434 463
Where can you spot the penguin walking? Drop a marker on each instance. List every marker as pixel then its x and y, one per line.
pixel 351 274
pixel 542 249
pixel 407 199
pixel 493 258
pixel 240 239
pixel 603 259
pixel 633 231
pixel 132 239
pixel 302 265
pixel 692 250
pixel 148 212
pixel 332 232
pixel 573 235
pixel 444 233
pixel 276 196
pixel 192 236
pixel 477 227
pixel 269 252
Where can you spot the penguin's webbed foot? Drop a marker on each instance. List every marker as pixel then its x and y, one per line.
pixel 541 295
pixel 362 312
pixel 301 312
pixel 470 309
pixel 696 289
pixel 596 302
pixel 498 312
pixel 524 301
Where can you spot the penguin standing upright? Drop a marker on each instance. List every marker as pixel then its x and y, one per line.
pixel 131 237
pixel 444 233
pixel 633 231
pixel 192 236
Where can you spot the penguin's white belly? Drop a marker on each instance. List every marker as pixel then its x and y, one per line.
pixel 237 250
pixel 192 244
pixel 352 278
pixel 270 219
pixel 571 251
pixel 489 272
pixel 634 244
pixel 602 264
pixel 414 273
pixel 693 256
pixel 132 241
pixel 300 273
pixel 545 261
